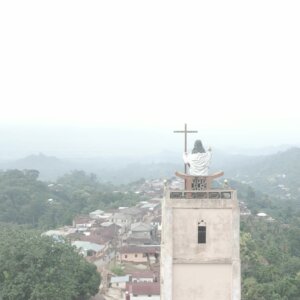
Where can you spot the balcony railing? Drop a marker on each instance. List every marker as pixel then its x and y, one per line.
pixel 196 194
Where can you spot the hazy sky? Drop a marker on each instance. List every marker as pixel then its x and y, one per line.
pixel 230 69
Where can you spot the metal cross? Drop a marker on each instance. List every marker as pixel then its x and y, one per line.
pixel 185 131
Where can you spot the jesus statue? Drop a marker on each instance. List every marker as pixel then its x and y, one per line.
pixel 199 160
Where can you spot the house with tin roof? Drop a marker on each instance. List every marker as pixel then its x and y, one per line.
pixel 142 290
pixel 87 248
pixel 139 254
pixel 144 276
pixel 119 282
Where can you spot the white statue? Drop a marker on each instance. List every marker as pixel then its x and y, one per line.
pixel 199 160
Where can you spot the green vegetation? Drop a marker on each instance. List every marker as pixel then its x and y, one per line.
pixel 270 249
pixel 38 268
pixel 283 210
pixel 26 200
pixel 276 174
pixel 117 270
pixel 270 254
pixel 34 267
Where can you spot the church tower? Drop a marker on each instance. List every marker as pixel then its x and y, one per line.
pixel 200 255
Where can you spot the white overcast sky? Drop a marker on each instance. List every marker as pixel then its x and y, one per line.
pixel 230 69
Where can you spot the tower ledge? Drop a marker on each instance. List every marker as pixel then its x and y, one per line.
pixel 198 183
pixel 200 255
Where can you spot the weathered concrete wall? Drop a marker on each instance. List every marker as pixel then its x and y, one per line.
pixel 166 262
pixel 134 257
pixel 218 234
pixel 236 261
pixel 202 282
pixel 209 271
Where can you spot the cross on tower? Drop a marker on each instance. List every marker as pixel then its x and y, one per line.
pixel 185 131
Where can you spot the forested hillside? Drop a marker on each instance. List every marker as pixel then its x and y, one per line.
pixel 36 267
pixel 270 246
pixel 270 254
pixel 26 200
pixel 277 174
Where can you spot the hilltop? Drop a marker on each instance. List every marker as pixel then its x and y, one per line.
pixel 277 174
pixel 49 167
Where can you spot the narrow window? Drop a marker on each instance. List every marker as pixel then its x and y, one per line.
pixel 201 232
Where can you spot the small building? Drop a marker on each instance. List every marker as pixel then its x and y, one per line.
pixel 119 281
pixel 83 222
pixel 93 238
pixel 88 248
pixel 142 234
pixel 142 291
pixel 60 232
pixel 144 276
pixel 139 254
pixel 109 230
pixel 135 213
pixel 142 230
pixel 140 241
pixel 121 219
pixel 97 214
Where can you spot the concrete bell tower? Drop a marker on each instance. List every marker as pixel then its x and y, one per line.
pixel 200 252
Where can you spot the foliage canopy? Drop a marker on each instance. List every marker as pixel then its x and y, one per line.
pixel 34 267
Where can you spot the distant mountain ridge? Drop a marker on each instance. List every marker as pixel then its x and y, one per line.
pixel 278 173
pixel 50 167
pixel 38 160
pixel 262 171
pixel 282 162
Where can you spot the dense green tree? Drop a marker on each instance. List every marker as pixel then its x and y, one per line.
pixel 270 264
pixel 26 200
pixel 33 267
pixel 269 249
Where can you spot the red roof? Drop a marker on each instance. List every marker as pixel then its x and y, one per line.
pixel 140 249
pixel 144 288
pixel 143 274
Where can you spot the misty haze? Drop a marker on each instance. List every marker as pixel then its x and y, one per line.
pixel 149 150
pixel 120 154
